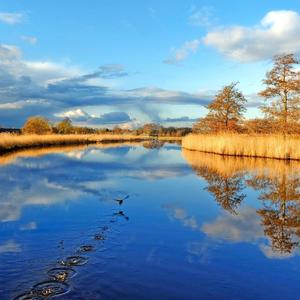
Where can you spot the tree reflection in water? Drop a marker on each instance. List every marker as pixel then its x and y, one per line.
pixel 281 211
pixel 226 190
pixel 278 183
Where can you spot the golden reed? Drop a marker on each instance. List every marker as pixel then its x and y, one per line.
pixel 265 146
pixel 11 142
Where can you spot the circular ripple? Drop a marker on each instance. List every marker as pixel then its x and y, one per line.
pixel 50 288
pixel 86 248
pixel 28 296
pixel 74 261
pixel 61 274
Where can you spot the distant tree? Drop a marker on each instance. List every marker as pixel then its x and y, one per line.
pixel 117 130
pixel 84 130
pixel 151 129
pixel 283 90
pixel 225 111
pixel 36 125
pixel 65 126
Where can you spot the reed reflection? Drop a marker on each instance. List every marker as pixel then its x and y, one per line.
pixel 278 184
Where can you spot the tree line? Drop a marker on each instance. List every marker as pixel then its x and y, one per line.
pixel 281 110
pixel 40 125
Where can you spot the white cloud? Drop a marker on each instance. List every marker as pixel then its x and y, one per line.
pixel 76 114
pixel 45 72
pixel 183 52
pixel 11 105
pixel 41 72
pixel 134 124
pixel 11 18
pixel 9 53
pixel 29 39
pixel 203 17
pixel 79 115
pixel 68 88
pixel 23 103
pixel 278 32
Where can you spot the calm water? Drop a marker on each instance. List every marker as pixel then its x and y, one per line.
pixel 191 225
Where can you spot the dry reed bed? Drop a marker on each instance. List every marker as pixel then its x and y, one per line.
pixel 9 142
pixel 265 146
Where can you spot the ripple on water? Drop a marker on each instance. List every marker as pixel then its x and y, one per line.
pixel 86 248
pixel 61 274
pixel 99 237
pixel 50 288
pixel 28 296
pixel 45 290
pixel 74 261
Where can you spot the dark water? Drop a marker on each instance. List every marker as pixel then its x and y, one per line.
pixel 191 225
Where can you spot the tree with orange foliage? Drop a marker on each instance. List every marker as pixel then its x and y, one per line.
pixel 36 125
pixel 283 90
pixel 225 111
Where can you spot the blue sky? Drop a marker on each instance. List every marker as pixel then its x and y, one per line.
pixel 104 62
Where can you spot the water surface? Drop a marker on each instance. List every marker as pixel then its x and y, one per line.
pixel 144 222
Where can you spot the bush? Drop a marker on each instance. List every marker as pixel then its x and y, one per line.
pixel 36 125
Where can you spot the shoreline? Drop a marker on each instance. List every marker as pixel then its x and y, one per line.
pixel 11 143
pixel 243 145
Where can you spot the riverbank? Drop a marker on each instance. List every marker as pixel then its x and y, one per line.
pixel 10 142
pixel 264 146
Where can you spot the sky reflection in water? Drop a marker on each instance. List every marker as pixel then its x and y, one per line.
pixel 193 226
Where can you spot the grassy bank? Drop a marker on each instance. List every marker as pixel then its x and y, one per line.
pixel 266 146
pixel 9 142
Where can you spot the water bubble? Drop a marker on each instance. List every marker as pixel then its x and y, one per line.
pixel 50 288
pixel 61 274
pixel 74 261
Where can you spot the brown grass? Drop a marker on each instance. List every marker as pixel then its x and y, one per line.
pixel 10 142
pixel 266 146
